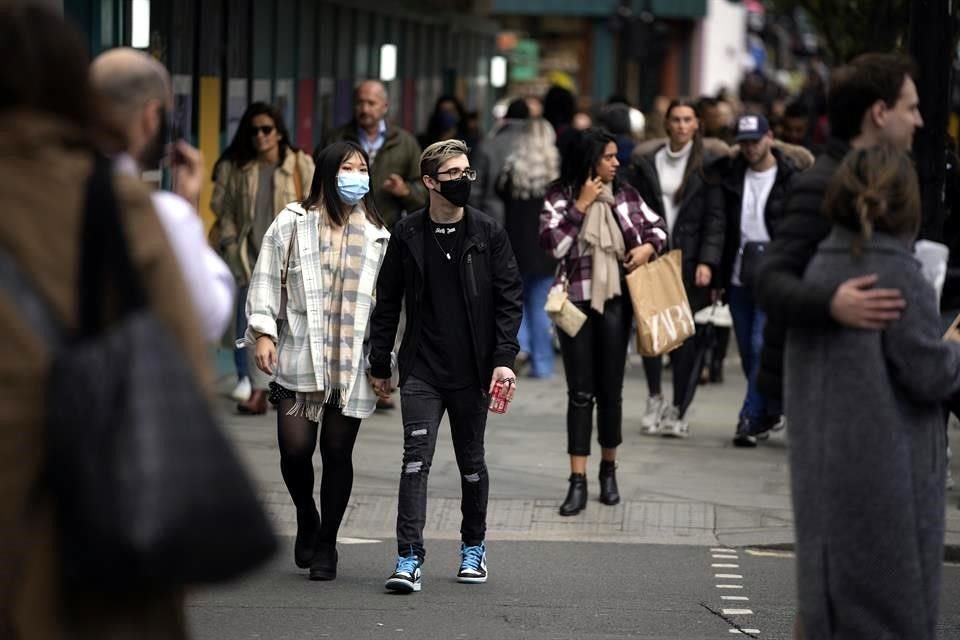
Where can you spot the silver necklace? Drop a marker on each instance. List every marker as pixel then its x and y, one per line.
pixel 440 246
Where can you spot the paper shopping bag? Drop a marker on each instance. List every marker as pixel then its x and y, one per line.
pixel 660 306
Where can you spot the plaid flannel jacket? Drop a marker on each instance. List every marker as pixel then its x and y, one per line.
pixel 301 341
pixel 560 223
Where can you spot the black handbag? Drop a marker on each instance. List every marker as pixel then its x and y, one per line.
pixel 750 261
pixel 148 491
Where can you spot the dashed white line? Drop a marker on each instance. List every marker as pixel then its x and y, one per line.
pixel 718 556
pixel 723 565
pixel 729 586
pixel 736 598
pixel 737 612
pixel 722 550
pixel 730 576
pixel 744 632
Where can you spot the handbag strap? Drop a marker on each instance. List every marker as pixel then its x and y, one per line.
pixel 104 254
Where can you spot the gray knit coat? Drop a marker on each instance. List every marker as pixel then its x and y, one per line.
pixel 867 454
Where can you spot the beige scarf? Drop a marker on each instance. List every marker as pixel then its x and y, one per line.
pixel 601 233
pixel 341 261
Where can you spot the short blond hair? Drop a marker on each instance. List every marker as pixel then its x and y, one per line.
pixel 436 154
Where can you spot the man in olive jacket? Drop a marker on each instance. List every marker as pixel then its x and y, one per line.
pixel 872 100
pixel 394 153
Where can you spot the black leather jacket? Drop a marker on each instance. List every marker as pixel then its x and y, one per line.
pixel 492 292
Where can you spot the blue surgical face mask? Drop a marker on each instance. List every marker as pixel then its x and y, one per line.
pixel 352 186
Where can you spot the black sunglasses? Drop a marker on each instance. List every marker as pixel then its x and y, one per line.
pixel 265 130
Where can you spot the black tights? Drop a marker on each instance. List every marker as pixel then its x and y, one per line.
pixel 297 438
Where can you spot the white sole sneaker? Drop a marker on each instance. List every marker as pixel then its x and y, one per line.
pixel 401 585
pixel 241 392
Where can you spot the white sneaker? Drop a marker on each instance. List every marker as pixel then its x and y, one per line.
pixel 672 426
pixel 241 392
pixel 653 415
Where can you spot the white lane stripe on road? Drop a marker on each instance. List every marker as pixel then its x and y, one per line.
pixel 719 556
pixel 744 632
pixel 723 565
pixel 719 550
pixel 729 586
pixel 736 598
pixel 737 612
pixel 731 576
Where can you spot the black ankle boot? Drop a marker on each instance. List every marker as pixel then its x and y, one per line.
pixel 324 565
pixel 608 483
pixel 576 495
pixel 308 523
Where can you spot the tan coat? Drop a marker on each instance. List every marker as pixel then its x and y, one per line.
pixel 42 186
pixel 238 207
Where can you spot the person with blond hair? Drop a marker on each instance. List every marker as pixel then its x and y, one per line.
pixel 452 268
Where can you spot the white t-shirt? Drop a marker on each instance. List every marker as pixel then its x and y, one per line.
pixel 757 186
pixel 670 168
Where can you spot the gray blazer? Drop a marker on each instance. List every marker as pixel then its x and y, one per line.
pixel 867 453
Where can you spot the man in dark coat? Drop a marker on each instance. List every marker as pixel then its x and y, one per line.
pixel 451 267
pixel 394 153
pixel 872 100
pixel 748 191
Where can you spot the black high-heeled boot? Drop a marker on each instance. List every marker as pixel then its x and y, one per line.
pixel 324 565
pixel 609 494
pixel 308 524
pixel 576 500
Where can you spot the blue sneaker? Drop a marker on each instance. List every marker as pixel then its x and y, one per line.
pixel 407 578
pixel 473 564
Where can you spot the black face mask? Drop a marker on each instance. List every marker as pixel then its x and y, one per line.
pixel 457 192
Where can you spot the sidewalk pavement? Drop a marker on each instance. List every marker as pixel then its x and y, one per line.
pixel 699 491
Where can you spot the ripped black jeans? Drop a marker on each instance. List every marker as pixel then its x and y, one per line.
pixel 594 362
pixel 422 407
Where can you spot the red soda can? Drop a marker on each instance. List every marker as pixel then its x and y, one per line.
pixel 498 399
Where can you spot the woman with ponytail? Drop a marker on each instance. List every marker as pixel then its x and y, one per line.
pixel 867 450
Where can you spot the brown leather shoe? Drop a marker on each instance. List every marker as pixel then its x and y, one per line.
pixel 256 405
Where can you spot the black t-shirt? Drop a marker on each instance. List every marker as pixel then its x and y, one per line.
pixel 445 356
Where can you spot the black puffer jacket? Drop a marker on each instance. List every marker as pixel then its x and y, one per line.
pixel 697 232
pixel 492 293
pixel 725 198
pixel 780 289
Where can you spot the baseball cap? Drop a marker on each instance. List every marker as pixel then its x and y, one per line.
pixel 752 127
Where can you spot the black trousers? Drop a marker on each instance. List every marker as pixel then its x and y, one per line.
pixel 682 361
pixel 594 362
pixel 422 406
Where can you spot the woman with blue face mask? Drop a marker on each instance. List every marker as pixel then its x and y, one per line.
pixel 310 299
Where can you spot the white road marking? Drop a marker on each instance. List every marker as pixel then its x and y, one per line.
pixel 737 612
pixel 357 541
pixel 729 586
pixel 743 632
pixel 725 566
pixel 731 576
pixel 719 550
pixel 718 556
pixel 736 598
pixel 770 554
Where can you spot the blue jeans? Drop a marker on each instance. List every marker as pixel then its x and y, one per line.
pixel 534 336
pixel 748 323
pixel 240 355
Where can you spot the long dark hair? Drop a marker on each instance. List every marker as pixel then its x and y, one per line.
pixel 581 157
pixel 875 189
pixel 695 161
pixel 435 126
pixel 323 189
pixel 51 73
pixel 241 151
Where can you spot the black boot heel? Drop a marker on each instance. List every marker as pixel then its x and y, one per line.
pixel 324 565
pixel 576 500
pixel 609 494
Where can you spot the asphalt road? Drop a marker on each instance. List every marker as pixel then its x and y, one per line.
pixel 537 591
